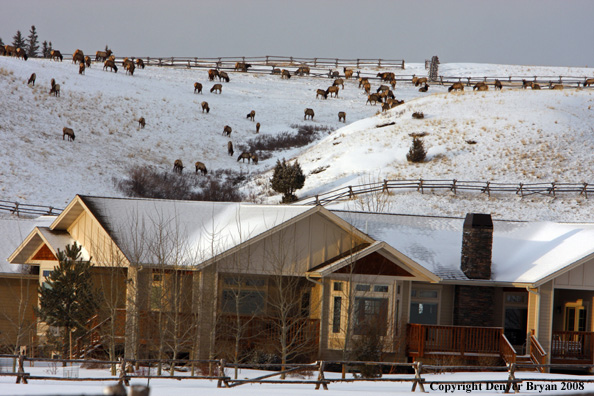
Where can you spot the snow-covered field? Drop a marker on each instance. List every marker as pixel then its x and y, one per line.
pixel 167 387
pixel 521 135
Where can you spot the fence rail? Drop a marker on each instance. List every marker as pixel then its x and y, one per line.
pixel 27 209
pixel 426 185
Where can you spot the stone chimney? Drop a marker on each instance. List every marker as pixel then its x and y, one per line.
pixel 477 245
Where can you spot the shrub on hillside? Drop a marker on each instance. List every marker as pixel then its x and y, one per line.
pixel 417 152
pixel 142 182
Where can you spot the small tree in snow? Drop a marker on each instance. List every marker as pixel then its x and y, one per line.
pixel 32 43
pixel 18 41
pixel 287 179
pixel 417 152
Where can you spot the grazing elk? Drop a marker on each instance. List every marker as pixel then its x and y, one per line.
pixel 302 71
pixel 367 88
pixel 212 73
pixel 178 166
pixel 87 61
pixel 243 156
pixel 535 86
pixel 478 85
pixel 526 84
pixel 373 99
pixel 102 55
pixel 9 50
pixel 383 88
pixel 140 63
pixel 216 87
pixel 81 68
pixel 197 87
pixel 341 116
pixel 276 70
pixel 56 55
pixel 111 64
pixel 498 85
pixel 223 76
pixel 68 132
pixel 308 113
pixel 205 107
pixel 588 82
pixel 333 74
pixel 555 86
pixel 255 158
pixel 285 74
pixel 363 81
pixel 32 79
pixel 251 115
pixel 141 122
pixel 458 86
pixel 20 53
pixel 486 87
pixel 337 82
pixel 332 90
pixel 424 89
pixel 230 148
pixel 55 90
pixel 393 84
pixel 386 76
pixel 419 81
pixel 201 167
pixel 227 130
pixel 322 93
pixel 130 68
pixel 258 127
pixel 78 56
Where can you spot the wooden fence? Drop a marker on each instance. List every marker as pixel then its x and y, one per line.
pixel 552 189
pixel 414 373
pixel 26 209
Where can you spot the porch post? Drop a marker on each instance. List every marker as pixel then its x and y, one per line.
pixel 324 315
pixel 136 298
pixel 545 318
pixel 533 316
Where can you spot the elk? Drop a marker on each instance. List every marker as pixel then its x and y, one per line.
pixel 227 130
pixel 68 132
pixel 342 116
pixel 205 107
pixel 255 158
pixel 130 68
pixel 348 73
pixel 478 85
pixel 337 82
pixel 141 122
pixel 178 166
pixel 212 73
pixel 386 76
pixel 363 81
pixel 223 76
pixel 81 68
pixel 78 56
pixel 230 148
pixel 526 84
pixel 322 93
pixel 535 86
pixel 308 113
pixel 555 86
pixel 87 61
pixel 588 82
pixel 197 87
pixel 242 66
pixel 32 79
pixel 383 88
pixel 55 55
pixel 243 156
pixel 456 87
pixel 302 70
pixel 373 99
pixel 20 53
pixel 258 127
pixel 393 84
pixel 201 167
pixel 332 90
pixel 9 50
pixel 102 55
pixel 333 74
pixel 276 70
pixel 498 85
pixel 55 90
pixel 111 64
pixel 216 87
pixel 140 63
pixel 418 81
pixel 424 89
pixel 251 115
pixel 285 74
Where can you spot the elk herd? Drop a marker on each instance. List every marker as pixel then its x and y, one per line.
pixel 383 95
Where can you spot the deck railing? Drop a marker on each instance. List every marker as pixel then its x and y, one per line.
pixel 454 340
pixel 537 352
pixel 572 345
pixel 506 350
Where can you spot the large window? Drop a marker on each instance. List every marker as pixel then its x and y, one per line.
pixel 371 313
pixel 243 295
pixel 424 306
pixel 516 317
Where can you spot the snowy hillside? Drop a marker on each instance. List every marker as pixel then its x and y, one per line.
pixel 520 135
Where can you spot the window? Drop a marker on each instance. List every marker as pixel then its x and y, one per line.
pixel 337 286
pixel 46 273
pixel 371 313
pixel 245 295
pixel 575 316
pixel 515 321
pixel 380 288
pixel 336 313
pixel 362 288
pixel 424 306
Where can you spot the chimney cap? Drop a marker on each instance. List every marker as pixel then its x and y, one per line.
pixel 478 220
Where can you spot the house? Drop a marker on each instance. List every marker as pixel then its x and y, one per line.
pixel 240 281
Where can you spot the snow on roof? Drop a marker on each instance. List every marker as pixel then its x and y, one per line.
pixel 60 239
pixel 523 252
pixel 13 231
pixel 189 232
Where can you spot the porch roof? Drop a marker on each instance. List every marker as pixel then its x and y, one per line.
pixel 523 252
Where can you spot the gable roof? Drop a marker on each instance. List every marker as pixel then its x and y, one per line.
pixel 12 233
pixel 528 253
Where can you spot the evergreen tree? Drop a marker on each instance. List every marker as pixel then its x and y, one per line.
pixel 417 151
pixel 1 42
pixel 287 179
pixel 32 43
pixel 18 41
pixel 45 52
pixel 67 299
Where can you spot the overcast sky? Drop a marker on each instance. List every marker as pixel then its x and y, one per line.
pixel 525 32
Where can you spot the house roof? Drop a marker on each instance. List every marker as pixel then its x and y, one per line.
pixel 13 232
pixel 523 252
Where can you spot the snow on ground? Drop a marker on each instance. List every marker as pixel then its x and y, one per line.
pixel 521 135
pixel 167 387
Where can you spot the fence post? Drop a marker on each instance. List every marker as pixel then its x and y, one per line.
pixel 385 186
pixel 321 378
pixel 357 63
pixel 454 186
pixel 351 194
pixel 585 190
pixel 123 377
pixel 379 63
pixel 468 81
pixel 317 199
pixel 21 370
pixel 511 379
pixel 441 79
pixel 553 188
pixel 337 63
pixel 343 371
pixel 420 186
pixel 521 190
pixel 222 381
pixel 403 64
pixel 418 366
